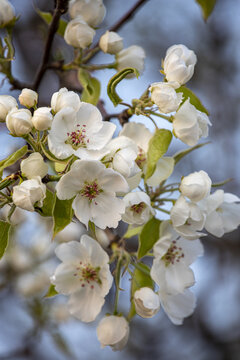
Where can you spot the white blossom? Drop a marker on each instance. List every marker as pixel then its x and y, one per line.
pixel 78 33
pixel 113 331
pixel 29 193
pixel 179 64
pixel 138 208
pixel 111 42
pixel 64 98
pixel 34 165
pixel 94 187
pixel 7 103
pixel 28 98
pixel 42 118
pixel 187 218
pixel 92 11
pixel 196 186
pixel 146 302
pixel 81 133
pixel 7 12
pixel 165 97
pixel 19 122
pixel 164 169
pixel 84 275
pixel 132 56
pixel 189 124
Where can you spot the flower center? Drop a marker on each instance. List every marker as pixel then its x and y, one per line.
pixel 78 138
pixel 141 158
pixel 173 255
pixel 91 191
pixel 138 208
pixel 87 274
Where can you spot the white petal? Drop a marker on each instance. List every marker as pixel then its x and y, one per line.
pixel 162 172
pixel 82 210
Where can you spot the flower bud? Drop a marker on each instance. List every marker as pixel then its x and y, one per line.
pixel 78 33
pixel 113 331
pixel 132 56
pixel 29 193
pixel 64 98
pixel 138 208
pixel 7 13
pixel 102 237
pixel 165 97
pixel 7 103
pixel 42 118
pixel 146 302
pixel 19 122
pixel 34 166
pixel 196 186
pixel 92 11
pixel 111 42
pixel 179 64
pixel 28 98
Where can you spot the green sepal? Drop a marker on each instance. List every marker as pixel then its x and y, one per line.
pixel 51 292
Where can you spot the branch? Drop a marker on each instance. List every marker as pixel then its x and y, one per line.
pixel 61 8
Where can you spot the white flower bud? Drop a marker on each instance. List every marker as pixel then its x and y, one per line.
pixel 146 302
pixel 132 56
pixel 102 237
pixel 196 186
pixel 34 166
pixel 111 42
pixel 42 118
pixel 138 208
pixel 179 64
pixel 7 12
pixel 29 193
pixel 19 122
pixel 165 97
pixel 28 98
pixel 113 331
pixel 64 98
pixel 92 11
pixel 7 103
pixel 78 33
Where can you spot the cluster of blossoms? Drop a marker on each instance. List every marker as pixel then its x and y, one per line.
pixel 103 180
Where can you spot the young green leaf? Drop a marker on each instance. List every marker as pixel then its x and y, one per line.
pixel 13 158
pixel 207 7
pixel 48 203
pixel 158 146
pixel 132 231
pixel 91 87
pixel 62 215
pixel 194 100
pixel 4 236
pixel 47 17
pixel 148 237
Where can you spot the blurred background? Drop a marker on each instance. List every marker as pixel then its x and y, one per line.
pixel 34 329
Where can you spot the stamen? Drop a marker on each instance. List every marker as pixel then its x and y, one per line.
pixel 173 255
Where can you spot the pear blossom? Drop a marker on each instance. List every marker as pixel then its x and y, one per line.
pixel 64 98
pixel 94 188
pixel 111 42
pixel 179 64
pixel 113 331
pixel 81 133
pixel 164 169
pixel 34 165
pixel 7 13
pixel 78 33
pixel 84 275
pixel 196 186
pixel 19 122
pixel 29 193
pixel 92 11
pixel 165 97
pixel 133 56
pixel 189 124
pixel 187 218
pixel 138 208
pixel 42 118
pixel 146 302
pixel 172 257
pixel 222 212
pixel 28 98
pixel 7 103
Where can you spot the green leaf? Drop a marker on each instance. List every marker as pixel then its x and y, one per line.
pixel 62 215
pixel 194 100
pixel 91 87
pixel 47 17
pixel 4 236
pixel 13 158
pixel 115 80
pixel 180 154
pixel 207 7
pixel 158 146
pixel 148 237
pixel 51 291
pixel 132 231
pixel 48 203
